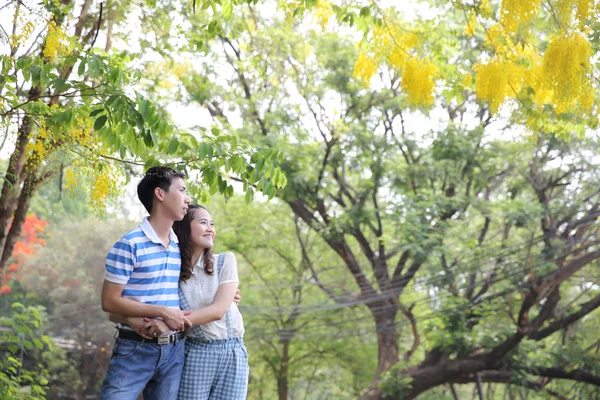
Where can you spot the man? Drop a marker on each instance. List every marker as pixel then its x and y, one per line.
pixel 141 278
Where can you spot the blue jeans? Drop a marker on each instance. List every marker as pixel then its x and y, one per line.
pixel 136 366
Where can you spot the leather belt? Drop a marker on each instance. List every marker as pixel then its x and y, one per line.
pixel 131 335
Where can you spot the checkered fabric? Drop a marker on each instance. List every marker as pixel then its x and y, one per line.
pixel 214 369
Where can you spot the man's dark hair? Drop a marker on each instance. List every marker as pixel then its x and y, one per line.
pixel 160 177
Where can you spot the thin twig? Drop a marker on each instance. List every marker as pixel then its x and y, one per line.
pixel 99 24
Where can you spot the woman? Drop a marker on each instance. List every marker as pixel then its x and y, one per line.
pixel 216 361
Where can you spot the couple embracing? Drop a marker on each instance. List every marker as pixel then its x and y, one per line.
pixel 180 331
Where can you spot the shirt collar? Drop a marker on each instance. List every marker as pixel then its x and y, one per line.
pixel 148 230
pixel 199 265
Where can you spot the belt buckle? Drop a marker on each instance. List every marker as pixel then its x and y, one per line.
pixel 164 339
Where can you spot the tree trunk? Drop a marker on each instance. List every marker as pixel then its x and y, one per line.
pixel 428 377
pixel 282 380
pixel 29 188
pixel 384 314
pixel 13 173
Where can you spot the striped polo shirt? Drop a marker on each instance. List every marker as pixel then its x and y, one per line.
pixel 148 269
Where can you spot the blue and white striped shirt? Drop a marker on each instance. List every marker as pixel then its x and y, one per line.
pixel 148 269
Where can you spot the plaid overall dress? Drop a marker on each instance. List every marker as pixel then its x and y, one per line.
pixel 213 369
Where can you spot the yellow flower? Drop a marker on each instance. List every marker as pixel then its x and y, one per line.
pixel 485 9
pixel 180 69
pixel 497 39
pixel 566 70
pixel 498 80
pixel 563 10
pixel 418 81
pixel 471 24
pixel 56 42
pixel 468 79
pixel 584 8
pixel 323 12
pixel 251 25
pixel 401 44
pixel 381 40
pixel 101 189
pixel 70 180
pixel 398 58
pixel 515 13
pixel 365 68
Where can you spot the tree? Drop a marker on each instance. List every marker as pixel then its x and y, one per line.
pixel 287 343
pixel 535 56
pixel 440 228
pixel 68 110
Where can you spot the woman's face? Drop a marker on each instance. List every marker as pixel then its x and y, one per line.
pixel 202 229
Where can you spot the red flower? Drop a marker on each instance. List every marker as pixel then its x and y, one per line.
pixel 5 290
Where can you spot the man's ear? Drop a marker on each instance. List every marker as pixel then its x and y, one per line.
pixel 159 193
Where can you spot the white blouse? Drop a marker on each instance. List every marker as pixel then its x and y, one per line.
pixel 200 291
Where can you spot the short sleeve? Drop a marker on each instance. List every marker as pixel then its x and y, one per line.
pixel 119 262
pixel 229 271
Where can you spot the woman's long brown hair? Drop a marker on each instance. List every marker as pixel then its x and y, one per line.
pixel 183 230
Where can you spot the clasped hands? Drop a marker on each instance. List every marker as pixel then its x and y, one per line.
pixel 173 320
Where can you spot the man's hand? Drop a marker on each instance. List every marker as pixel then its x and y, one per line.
pixel 176 320
pixel 138 326
pixel 155 327
pixel 237 297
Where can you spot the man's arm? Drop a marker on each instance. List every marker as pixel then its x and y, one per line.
pixel 114 303
pixel 135 323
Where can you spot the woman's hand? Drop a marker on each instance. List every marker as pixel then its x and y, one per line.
pixel 237 297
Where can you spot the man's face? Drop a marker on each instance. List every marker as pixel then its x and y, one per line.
pixel 176 200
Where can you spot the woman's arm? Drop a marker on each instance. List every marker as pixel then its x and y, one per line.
pixel 218 308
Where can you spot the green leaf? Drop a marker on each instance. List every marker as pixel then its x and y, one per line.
pixel 222 185
pixel 70 60
pixel 81 69
pixel 148 139
pixel 212 27
pixel 36 71
pixel 229 191
pixel 64 117
pixel 111 100
pixel 249 195
pixel 96 112
pixel 93 67
pixel 173 146
pixel 100 122
pixel 206 150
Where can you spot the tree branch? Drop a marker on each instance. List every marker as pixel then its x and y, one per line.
pixel 585 309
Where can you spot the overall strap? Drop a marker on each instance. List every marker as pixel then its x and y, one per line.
pixel 220 260
pixel 185 305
